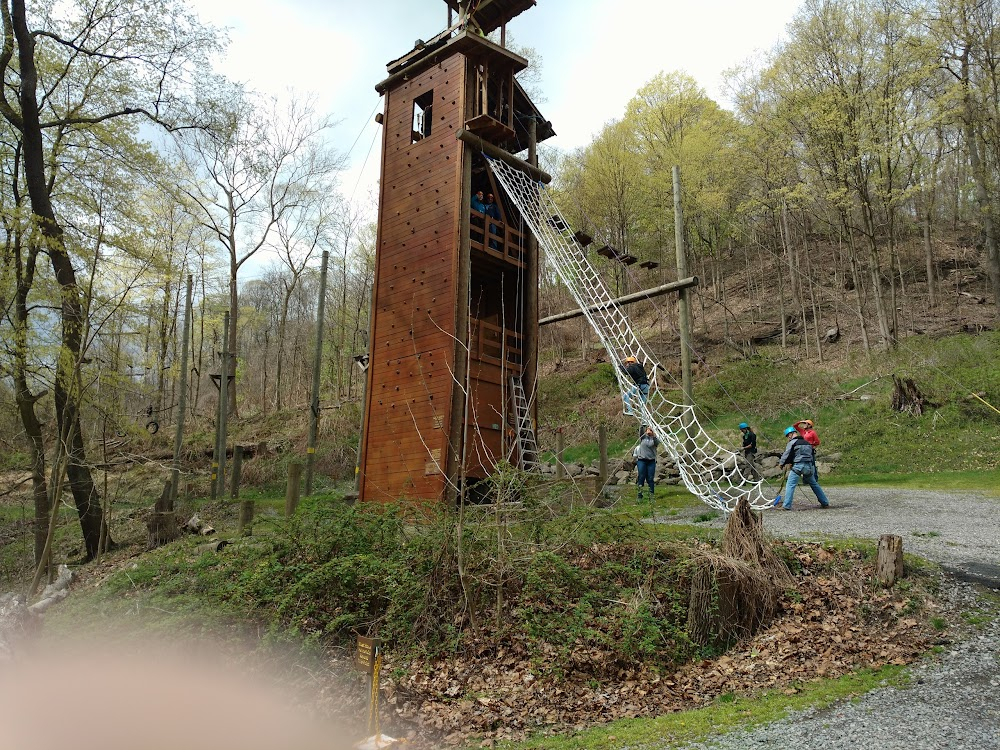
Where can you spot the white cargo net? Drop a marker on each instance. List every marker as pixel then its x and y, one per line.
pixel 717 475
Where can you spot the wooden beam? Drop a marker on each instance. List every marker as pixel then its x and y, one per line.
pixel 498 153
pixel 656 291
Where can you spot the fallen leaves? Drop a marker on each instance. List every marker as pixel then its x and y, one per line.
pixel 834 622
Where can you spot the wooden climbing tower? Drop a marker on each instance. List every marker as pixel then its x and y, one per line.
pixel 455 293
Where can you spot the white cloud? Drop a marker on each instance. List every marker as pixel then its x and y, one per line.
pixel 596 54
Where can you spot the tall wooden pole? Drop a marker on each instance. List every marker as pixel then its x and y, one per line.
pixel 364 397
pixel 530 329
pixel 683 306
pixel 175 468
pixel 224 412
pixel 684 311
pixel 317 368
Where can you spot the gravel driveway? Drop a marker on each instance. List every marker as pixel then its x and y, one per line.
pixel 953 700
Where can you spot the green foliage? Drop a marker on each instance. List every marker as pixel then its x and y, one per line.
pixel 569 578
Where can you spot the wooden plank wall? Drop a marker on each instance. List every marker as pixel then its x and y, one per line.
pixel 409 376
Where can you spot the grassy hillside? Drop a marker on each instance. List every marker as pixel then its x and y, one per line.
pixel 849 398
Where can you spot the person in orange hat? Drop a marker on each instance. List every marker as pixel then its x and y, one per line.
pixel 640 383
pixel 805 429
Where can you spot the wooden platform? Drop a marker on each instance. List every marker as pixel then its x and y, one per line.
pixel 489 128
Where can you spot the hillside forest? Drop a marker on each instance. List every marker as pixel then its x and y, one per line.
pixel 847 191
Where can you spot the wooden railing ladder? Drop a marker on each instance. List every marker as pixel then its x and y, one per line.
pixel 527 447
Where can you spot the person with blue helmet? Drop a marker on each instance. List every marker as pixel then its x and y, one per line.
pixel 749 442
pixel 799 459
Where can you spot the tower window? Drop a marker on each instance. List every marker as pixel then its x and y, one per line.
pixel 422 116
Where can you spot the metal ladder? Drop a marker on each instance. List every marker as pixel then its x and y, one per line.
pixel 527 447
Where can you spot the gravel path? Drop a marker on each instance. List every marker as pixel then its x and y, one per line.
pixel 953 700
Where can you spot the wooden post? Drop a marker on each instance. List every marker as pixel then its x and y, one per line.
pixel 175 468
pixel 683 308
pixel 224 396
pixel 317 367
pixel 292 491
pixel 889 565
pixel 245 526
pixel 219 462
pixel 560 448
pixel 237 471
pixel 602 442
pixel 530 328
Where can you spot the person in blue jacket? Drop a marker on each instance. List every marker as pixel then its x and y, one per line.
pixel 799 459
pixel 493 211
pixel 645 454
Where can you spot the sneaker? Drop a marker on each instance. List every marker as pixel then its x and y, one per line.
pixel 639 499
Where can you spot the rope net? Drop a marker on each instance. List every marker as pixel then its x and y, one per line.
pixel 715 474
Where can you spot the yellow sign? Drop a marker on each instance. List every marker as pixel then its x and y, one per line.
pixel 364 658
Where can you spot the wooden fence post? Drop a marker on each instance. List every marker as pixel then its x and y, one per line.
pixel 560 448
pixel 245 527
pixel 292 492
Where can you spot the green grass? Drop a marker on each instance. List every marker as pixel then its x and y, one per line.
pixel 727 713
pixel 950 447
pixel 987 481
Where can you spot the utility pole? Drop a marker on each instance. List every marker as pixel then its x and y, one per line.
pixel 684 311
pixel 175 469
pixel 219 480
pixel 317 366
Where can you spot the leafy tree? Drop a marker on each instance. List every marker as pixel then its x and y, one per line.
pixel 68 71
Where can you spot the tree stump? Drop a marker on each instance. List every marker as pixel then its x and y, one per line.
pixel 162 524
pixel 729 600
pixel 906 397
pixel 889 564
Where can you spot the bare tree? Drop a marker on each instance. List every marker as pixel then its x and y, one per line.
pixel 259 162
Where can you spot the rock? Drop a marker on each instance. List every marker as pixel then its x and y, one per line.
pixel 822 467
pixel 769 462
pixel 772 472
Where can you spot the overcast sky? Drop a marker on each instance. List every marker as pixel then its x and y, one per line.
pixel 595 54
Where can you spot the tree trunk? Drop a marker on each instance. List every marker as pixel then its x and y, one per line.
pixel 66 388
pixel 29 420
pixel 980 180
pixel 856 280
pixel 229 368
pixel 928 254
pixel 279 364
